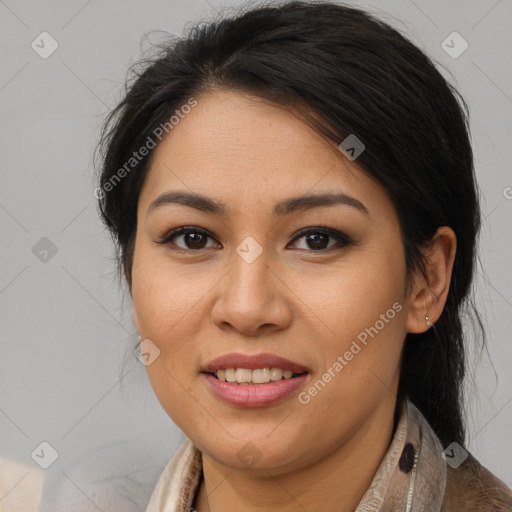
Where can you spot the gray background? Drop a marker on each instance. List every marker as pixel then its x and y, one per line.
pixel 65 327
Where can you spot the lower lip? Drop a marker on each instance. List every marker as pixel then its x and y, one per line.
pixel 254 395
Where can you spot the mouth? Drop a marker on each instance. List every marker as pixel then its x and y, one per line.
pixel 254 380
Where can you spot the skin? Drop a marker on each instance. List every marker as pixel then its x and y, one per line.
pixel 299 300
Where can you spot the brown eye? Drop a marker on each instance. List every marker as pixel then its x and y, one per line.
pixel 192 238
pixel 318 239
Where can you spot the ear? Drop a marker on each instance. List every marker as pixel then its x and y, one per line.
pixel 428 298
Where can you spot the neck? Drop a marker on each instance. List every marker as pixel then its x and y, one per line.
pixel 336 482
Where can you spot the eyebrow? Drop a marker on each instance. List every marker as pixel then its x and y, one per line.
pixel 285 207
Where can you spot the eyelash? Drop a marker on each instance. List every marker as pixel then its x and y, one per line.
pixel 342 239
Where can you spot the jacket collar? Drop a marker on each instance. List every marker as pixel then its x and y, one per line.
pixel 411 476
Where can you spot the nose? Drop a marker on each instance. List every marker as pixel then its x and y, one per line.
pixel 252 299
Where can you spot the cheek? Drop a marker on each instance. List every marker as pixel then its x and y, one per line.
pixel 167 312
pixel 364 311
pixel 165 296
pixel 167 309
pixel 353 298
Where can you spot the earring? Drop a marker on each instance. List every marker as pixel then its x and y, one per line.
pixel 427 319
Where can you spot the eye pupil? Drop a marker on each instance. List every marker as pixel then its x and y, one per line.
pixel 315 238
pixel 197 240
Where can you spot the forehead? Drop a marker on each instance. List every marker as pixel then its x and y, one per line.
pixel 248 152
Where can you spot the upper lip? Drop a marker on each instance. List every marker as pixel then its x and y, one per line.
pixel 252 362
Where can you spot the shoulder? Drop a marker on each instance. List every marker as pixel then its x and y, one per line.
pixel 114 476
pixel 178 483
pixel 466 487
pixel 21 485
pixel 471 486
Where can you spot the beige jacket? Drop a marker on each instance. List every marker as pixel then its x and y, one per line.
pixel 415 475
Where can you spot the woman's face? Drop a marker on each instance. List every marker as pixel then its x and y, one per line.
pixel 246 282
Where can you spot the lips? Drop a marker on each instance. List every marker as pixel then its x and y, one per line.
pixel 250 394
pixel 254 395
pixel 253 362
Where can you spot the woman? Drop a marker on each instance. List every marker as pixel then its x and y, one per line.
pixel 293 200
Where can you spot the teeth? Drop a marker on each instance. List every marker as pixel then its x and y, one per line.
pixel 276 374
pixel 260 376
pixel 248 376
pixel 243 375
pixel 230 375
